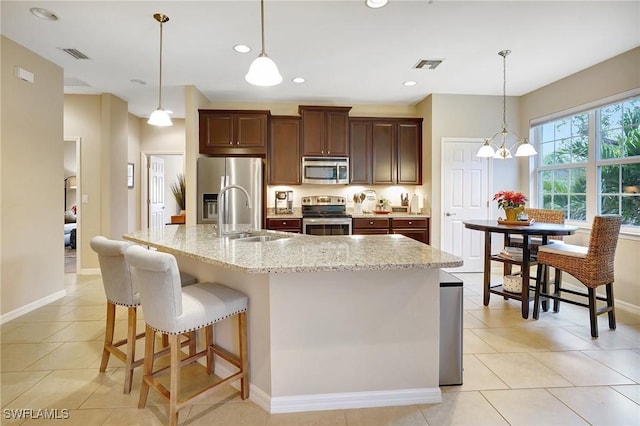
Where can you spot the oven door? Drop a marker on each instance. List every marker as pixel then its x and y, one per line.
pixel 326 226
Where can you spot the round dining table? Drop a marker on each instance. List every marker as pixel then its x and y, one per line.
pixel 527 230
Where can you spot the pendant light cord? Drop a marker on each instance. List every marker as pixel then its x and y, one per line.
pixel 504 54
pixel 160 79
pixel 262 25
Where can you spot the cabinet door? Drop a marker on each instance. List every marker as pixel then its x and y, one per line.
pixel 409 151
pixel 421 235
pixel 313 133
pixel 216 130
pixel 383 153
pixel 337 133
pixel 284 151
pixel 286 225
pixel 360 152
pixel 250 130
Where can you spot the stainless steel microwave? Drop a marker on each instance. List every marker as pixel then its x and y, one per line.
pixel 325 170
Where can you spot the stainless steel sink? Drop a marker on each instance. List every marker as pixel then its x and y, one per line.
pixel 262 238
pixel 255 237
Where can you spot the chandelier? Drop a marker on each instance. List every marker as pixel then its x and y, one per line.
pixel 490 148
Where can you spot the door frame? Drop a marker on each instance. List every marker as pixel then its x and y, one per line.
pixel 144 181
pixel 78 142
pixel 443 142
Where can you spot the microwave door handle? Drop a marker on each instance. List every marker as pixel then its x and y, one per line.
pixel 337 173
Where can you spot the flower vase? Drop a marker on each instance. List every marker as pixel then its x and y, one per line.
pixel 512 214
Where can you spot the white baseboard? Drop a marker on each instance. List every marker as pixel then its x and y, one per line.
pixel 32 306
pixel 334 401
pixel 344 400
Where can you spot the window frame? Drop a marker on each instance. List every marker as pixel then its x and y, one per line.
pixel 592 163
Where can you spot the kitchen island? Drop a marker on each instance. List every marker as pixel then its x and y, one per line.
pixel 334 321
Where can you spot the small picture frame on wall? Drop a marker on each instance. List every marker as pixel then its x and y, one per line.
pixel 130 175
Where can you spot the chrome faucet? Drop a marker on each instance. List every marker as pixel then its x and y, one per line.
pixel 222 210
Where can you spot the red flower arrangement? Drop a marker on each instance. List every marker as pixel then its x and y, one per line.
pixel 509 199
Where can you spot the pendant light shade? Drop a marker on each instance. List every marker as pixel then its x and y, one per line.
pixel 160 117
pixel 490 149
pixel 263 71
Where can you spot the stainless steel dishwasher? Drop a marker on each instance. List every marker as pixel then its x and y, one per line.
pixel 450 329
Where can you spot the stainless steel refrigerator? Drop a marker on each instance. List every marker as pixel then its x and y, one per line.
pixel 214 173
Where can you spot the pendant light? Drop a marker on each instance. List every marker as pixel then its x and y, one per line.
pixel 160 117
pixel 263 71
pixel 490 148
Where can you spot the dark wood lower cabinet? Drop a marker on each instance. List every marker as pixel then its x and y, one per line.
pixel 370 226
pixel 285 225
pixel 418 229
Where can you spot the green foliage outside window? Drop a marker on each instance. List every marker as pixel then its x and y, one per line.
pixel 564 149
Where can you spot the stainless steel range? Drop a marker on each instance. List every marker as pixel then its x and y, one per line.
pixel 325 215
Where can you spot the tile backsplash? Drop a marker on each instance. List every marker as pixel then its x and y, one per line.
pixel 392 193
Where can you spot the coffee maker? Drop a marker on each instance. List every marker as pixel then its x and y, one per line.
pixel 284 202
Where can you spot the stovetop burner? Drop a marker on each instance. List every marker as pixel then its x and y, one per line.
pixel 324 206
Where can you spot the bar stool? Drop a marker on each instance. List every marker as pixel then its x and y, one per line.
pixel 120 291
pixel 592 266
pixel 171 309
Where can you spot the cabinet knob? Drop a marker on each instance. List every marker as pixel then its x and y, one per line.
pixel 371 223
pixel 410 223
pixel 284 223
pixel 230 142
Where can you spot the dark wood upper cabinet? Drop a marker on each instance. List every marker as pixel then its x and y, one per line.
pixel 360 151
pixel 284 151
pixel 385 151
pixel 325 130
pixel 409 152
pixel 233 132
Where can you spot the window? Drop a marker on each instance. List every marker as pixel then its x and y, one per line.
pixel 589 163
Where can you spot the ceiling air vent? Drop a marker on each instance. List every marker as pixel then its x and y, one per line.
pixel 429 64
pixel 75 53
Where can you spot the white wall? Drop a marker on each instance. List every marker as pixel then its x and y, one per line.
pixel 31 182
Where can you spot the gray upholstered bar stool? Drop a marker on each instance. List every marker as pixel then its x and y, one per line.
pixel 120 291
pixel 172 309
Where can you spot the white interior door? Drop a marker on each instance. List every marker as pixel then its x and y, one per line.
pixel 156 192
pixel 465 186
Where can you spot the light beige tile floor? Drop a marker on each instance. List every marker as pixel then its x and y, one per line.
pixel 517 371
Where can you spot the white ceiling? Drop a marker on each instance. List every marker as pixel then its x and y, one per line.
pixel 348 54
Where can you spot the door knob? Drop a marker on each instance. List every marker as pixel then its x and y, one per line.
pixel 449 214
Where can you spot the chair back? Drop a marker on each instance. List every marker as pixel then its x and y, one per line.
pixel 157 276
pixel 116 278
pixel 602 246
pixel 546 216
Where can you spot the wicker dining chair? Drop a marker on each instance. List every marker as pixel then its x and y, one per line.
pixel 592 266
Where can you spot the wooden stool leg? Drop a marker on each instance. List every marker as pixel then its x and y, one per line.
pixel 108 335
pixel 208 341
pixel 536 300
pixel 612 312
pixel 131 348
pixel 165 340
pixel 557 288
pixel 149 349
pixel 193 343
pixel 244 358
pixel 593 315
pixel 174 386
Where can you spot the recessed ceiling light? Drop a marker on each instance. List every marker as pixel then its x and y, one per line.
pixel 409 83
pixel 298 80
pixel 242 48
pixel 45 14
pixel 138 82
pixel 376 4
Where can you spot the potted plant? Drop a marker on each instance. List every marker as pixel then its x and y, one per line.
pixel 178 189
pixel 512 202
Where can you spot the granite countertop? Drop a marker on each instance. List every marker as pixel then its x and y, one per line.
pixel 299 253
